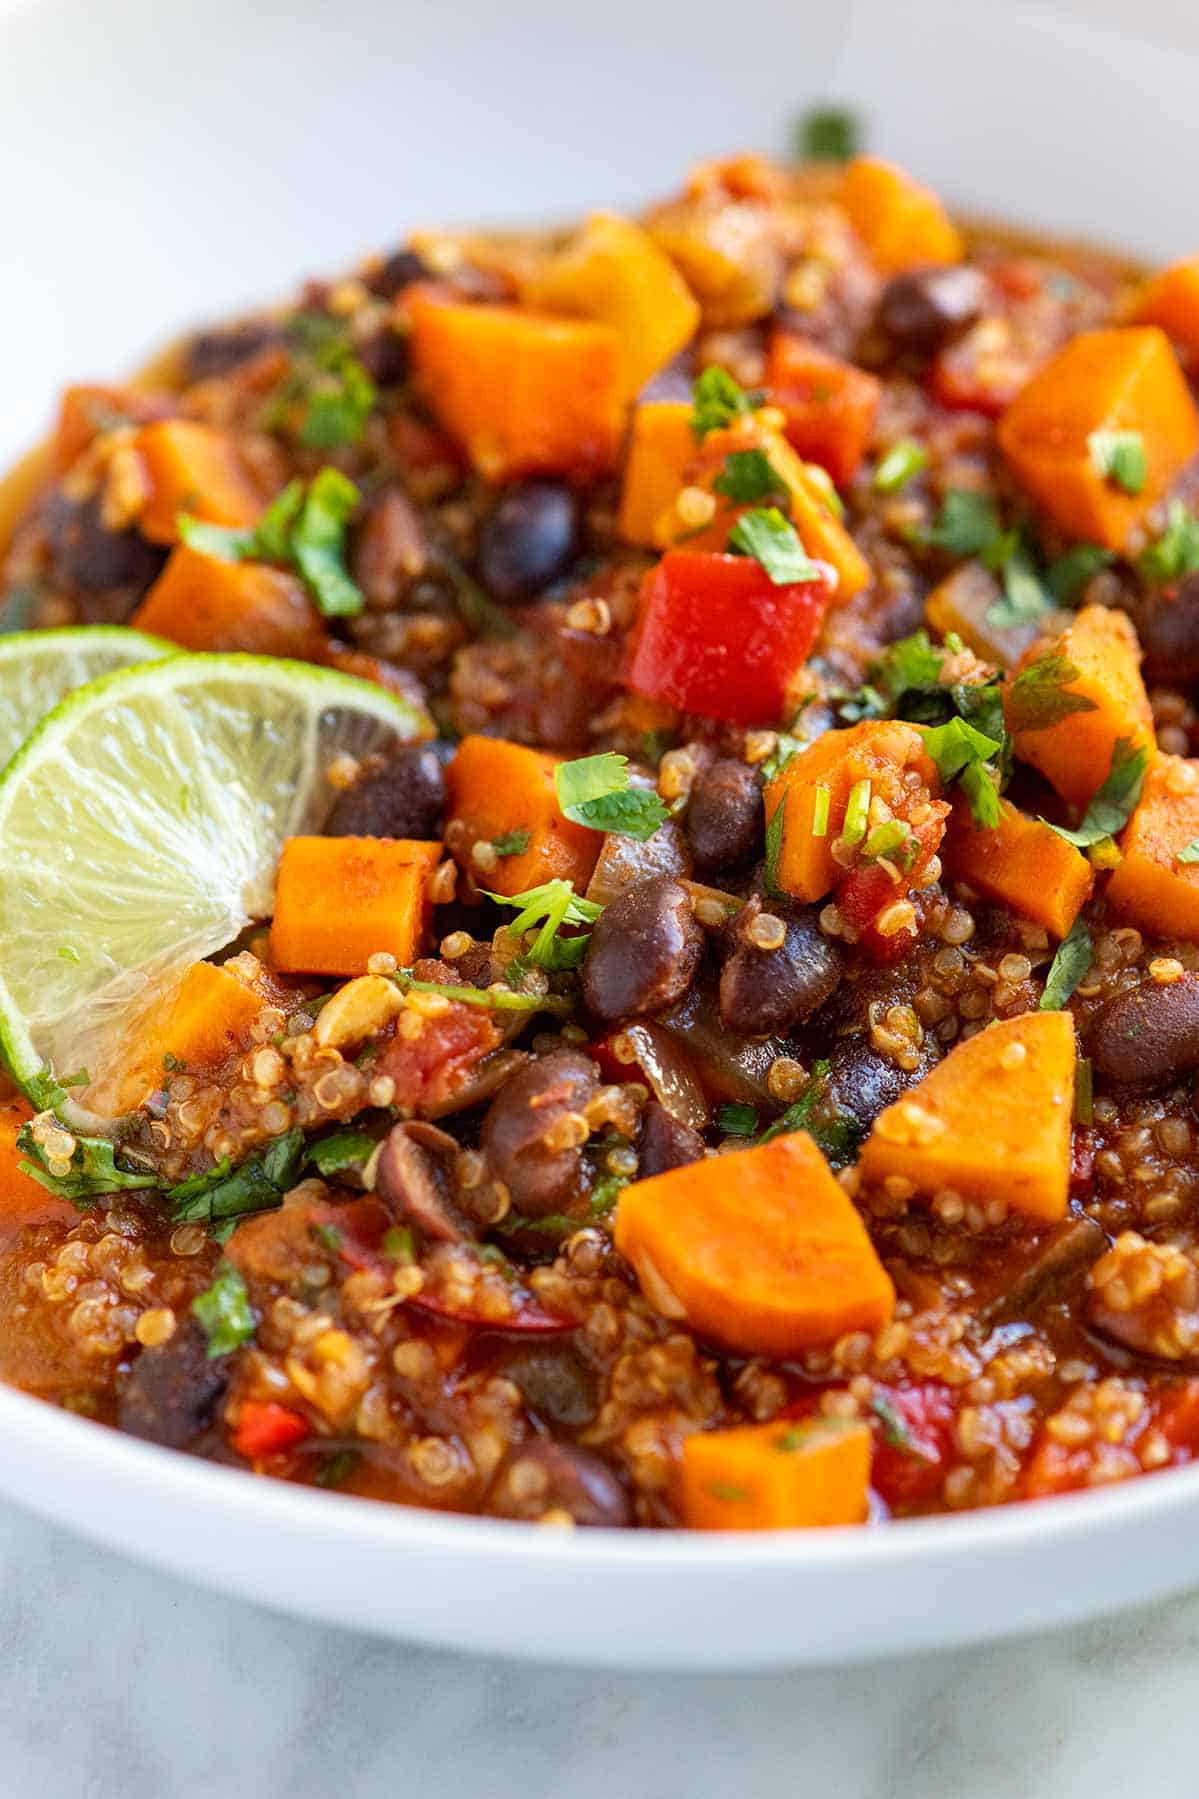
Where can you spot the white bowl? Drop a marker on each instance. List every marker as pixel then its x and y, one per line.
pixel 162 164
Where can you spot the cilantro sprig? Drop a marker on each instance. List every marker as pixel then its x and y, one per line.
pixel 305 529
pixel 828 134
pixel 550 907
pixel 327 396
pixel 747 476
pixel 968 756
pixel 1040 694
pixel 717 399
pixel 1068 967
pixel 837 1131
pixel 224 1312
pixel 772 540
pixel 1119 456
pixel 1176 552
pixel 595 791
pixel 93 1171
pixel 1113 805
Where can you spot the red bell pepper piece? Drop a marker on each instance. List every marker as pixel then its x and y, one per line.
pixel 716 636
pixel 830 405
pixel 266 1428
pixel 913 1429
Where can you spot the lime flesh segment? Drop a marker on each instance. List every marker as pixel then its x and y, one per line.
pixel 39 668
pixel 140 830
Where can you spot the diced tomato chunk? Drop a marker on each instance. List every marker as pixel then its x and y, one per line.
pixel 716 636
pixel 1056 1468
pixel 266 1428
pixel 1178 1419
pixel 913 1441
pixel 431 1070
pixel 830 405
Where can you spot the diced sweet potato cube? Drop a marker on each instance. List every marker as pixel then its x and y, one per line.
pixel 194 469
pixel 963 602
pixel 1021 862
pixel 1127 379
pixel 1151 887
pixel 522 392
pixel 761 1251
pixel 992 1122
pixel 727 251
pixel 614 272
pixel 209 1017
pixel 661 447
pixel 85 411
pixel 818 780
pixel 1171 300
pixel 777 1476
pixel 342 900
pixel 500 790
pixel 829 404
pixel 902 223
pixel 205 604
pixel 1074 750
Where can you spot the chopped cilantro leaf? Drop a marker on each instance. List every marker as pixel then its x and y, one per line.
pixel 1067 577
pixel 966 754
pixel 967 524
pixel 837 1132
pixel 91 1171
pixel 1176 552
pixel 336 1469
pixel 595 791
pixel 512 843
pixel 774 844
pixel 551 906
pixel 828 134
pixel 773 541
pixel 1024 598
pixel 1113 805
pixel 901 462
pixel 747 476
pixel 224 1312
pixel 1040 694
pixel 225 1192
pixel 737 1120
pixel 328 395
pixel 896 1433
pixel 716 400
pixel 1119 456
pixel 304 528
pixel 342 1150
pixel 1069 965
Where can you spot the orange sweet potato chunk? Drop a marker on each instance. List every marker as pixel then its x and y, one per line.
pixel 23 1201
pixel 194 469
pixel 830 405
pixel 1151 887
pixel 205 604
pixel 523 393
pixel 1074 752
pixel 210 1016
pixel 902 223
pixel 615 273
pixel 497 789
pixel 777 1476
pixel 1125 378
pixel 1171 300
pixel 1021 862
pixel 341 900
pixel 874 751
pixel 761 1251
pixel 993 1121
pixel 661 447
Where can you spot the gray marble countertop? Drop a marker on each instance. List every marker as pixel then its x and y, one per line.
pixel 118 1683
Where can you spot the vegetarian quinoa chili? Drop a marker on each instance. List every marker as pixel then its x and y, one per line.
pixel 741 1071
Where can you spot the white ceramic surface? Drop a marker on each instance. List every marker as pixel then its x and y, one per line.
pixel 161 161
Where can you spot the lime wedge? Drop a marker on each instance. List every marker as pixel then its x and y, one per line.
pixel 38 668
pixel 140 830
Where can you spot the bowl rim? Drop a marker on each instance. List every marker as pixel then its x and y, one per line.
pixel 263 1500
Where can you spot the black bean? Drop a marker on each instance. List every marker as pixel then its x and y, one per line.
pixel 541 1176
pixel 399 271
pixel 530 539
pixel 87 556
pixel 541 1477
pixel 212 353
pixel 415 1180
pixel 1167 622
pixel 404 798
pixel 384 356
pixel 643 952
pixel 863 1083
pixel 170 1395
pixel 556 1383
pixel 763 991
pixel 725 817
pixel 664 1142
pixel 927 308
pixel 1147 1034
